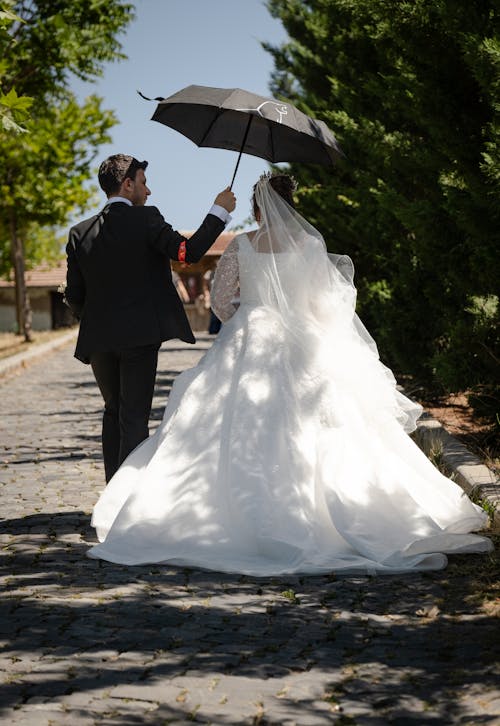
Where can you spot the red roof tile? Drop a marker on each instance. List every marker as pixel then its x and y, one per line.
pixel 41 276
pixel 220 243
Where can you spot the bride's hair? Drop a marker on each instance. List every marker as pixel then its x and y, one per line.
pixel 283 184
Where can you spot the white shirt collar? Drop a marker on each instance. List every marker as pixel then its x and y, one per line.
pixel 119 199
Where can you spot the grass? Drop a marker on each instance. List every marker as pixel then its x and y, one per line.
pixel 291 596
pixel 435 455
pixel 488 507
pixel 482 575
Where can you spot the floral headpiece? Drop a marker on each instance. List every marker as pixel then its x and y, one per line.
pixel 268 175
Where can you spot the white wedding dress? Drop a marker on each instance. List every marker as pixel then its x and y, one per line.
pixel 284 452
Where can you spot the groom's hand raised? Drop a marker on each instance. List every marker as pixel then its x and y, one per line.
pixel 226 199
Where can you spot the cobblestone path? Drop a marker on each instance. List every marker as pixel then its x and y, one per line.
pixel 88 642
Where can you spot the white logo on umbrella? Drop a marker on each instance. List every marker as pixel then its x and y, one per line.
pixel 280 108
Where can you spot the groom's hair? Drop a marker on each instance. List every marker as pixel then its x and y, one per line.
pixel 115 169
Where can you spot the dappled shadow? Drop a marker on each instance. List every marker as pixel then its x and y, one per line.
pixel 196 346
pixel 141 626
pixel 48 523
pixel 74 456
pixel 74 414
pixel 53 453
pixel 73 625
pixel 164 381
pixel 80 383
pixel 375 640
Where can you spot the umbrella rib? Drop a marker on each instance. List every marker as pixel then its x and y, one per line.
pixel 214 120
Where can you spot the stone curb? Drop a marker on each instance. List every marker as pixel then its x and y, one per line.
pixel 14 363
pixel 475 478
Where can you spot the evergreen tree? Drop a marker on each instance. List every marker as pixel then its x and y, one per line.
pixel 411 90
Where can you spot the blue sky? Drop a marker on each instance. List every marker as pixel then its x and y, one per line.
pixel 170 45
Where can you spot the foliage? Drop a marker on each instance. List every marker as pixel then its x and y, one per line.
pixel 45 170
pixel 411 91
pixel 56 38
pixel 13 108
pixel 43 245
pixel 44 173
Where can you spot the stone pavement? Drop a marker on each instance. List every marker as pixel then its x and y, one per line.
pixel 88 642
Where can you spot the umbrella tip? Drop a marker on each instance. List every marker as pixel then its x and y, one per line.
pixel 158 98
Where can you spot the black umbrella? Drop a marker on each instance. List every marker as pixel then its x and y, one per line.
pixel 230 118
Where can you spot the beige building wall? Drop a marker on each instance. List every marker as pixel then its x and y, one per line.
pixel 40 306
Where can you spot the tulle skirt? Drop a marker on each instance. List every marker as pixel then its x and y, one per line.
pixel 275 457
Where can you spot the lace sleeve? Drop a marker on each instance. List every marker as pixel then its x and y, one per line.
pixel 225 284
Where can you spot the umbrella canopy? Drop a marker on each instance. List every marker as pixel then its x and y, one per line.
pixel 231 118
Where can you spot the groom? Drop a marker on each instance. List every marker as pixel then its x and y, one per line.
pixel 119 285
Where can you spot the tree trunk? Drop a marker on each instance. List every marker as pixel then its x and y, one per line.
pixel 23 307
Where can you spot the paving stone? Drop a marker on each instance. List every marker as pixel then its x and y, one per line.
pixel 88 642
pixel 48 718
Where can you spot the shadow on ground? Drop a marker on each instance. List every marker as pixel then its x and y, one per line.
pixel 387 641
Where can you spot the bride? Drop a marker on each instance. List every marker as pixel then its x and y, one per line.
pixel 285 450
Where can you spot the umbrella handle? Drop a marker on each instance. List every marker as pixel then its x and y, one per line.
pixel 250 118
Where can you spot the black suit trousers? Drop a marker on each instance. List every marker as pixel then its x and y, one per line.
pixel 126 379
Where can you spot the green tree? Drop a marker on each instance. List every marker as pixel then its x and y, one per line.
pixel 44 172
pixel 411 90
pixel 13 108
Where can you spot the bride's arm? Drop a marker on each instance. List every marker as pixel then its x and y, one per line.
pixel 226 283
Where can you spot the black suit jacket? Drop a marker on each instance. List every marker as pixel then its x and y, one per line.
pixel 119 281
